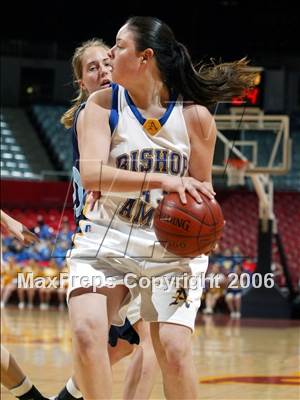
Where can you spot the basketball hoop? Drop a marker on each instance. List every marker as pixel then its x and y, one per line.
pixel 235 171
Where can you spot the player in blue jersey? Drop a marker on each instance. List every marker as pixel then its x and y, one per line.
pixel 91 73
pixel 137 139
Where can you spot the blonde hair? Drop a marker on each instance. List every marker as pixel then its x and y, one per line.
pixel 82 95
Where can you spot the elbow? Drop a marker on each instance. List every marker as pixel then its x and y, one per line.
pixel 87 176
pixel 91 176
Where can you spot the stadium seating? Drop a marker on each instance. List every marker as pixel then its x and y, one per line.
pixel 54 135
pixel 241 214
pixel 13 162
pixel 22 156
pixel 52 217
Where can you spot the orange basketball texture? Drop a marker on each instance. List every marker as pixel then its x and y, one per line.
pixel 191 229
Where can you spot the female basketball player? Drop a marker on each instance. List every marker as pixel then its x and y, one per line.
pixel 92 72
pixel 12 376
pixel 134 139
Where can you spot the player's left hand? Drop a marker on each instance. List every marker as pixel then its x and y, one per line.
pixel 28 237
pixel 18 230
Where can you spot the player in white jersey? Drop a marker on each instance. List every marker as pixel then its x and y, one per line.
pixel 156 145
pixel 92 72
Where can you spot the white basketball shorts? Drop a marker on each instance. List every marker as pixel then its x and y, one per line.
pixel 170 288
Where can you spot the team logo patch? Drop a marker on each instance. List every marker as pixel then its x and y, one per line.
pixel 181 296
pixel 152 126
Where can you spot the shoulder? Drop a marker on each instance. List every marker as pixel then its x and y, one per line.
pixel 196 114
pixel 199 120
pixel 79 114
pixel 101 98
pixel 79 119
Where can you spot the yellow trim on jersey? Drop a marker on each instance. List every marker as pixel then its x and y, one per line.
pixel 85 208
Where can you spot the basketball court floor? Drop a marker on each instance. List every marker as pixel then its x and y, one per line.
pixel 235 359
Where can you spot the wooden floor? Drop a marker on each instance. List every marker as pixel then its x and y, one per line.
pixel 247 359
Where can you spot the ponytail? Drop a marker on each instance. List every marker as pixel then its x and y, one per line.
pixel 212 82
pixel 207 86
pixel 67 118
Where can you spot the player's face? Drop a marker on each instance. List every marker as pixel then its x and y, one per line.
pixel 96 70
pixel 125 60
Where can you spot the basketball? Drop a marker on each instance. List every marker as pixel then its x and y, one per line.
pixel 191 229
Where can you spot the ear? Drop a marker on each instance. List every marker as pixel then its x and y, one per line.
pixel 81 84
pixel 147 55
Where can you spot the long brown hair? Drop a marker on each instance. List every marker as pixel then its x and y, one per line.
pixel 82 95
pixel 208 85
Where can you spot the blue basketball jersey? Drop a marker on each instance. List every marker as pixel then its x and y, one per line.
pixel 79 194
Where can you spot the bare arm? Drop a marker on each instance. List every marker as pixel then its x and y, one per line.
pixel 203 133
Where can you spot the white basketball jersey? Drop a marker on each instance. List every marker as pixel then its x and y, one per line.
pixel 141 145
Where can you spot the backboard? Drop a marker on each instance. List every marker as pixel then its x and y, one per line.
pixel 262 140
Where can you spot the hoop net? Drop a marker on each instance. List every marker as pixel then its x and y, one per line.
pixel 235 171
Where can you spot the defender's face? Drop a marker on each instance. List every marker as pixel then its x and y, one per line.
pixel 96 69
